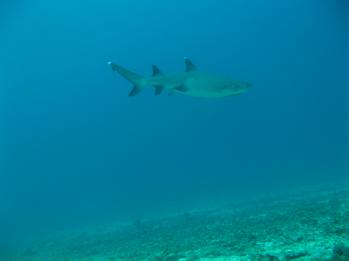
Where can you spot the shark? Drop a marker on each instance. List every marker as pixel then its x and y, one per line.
pixel 191 82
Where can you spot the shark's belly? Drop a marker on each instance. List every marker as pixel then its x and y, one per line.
pixel 204 93
pixel 203 87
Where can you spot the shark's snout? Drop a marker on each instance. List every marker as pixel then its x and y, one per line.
pixel 244 86
pixel 249 85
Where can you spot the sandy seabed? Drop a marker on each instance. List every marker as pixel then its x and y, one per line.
pixel 304 225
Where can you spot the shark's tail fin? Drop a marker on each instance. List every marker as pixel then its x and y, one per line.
pixel 138 81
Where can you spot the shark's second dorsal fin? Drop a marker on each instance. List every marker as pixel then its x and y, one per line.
pixel 189 66
pixel 158 88
pixel 156 71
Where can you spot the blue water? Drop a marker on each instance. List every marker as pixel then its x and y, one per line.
pixel 76 149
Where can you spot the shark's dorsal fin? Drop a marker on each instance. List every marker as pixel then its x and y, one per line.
pixel 189 66
pixel 156 71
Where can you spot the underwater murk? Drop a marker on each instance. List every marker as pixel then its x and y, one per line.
pixel 137 130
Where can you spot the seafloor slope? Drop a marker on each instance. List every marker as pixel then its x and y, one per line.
pixel 301 226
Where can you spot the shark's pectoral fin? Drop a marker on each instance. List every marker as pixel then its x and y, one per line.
pixel 159 89
pixel 189 66
pixel 181 88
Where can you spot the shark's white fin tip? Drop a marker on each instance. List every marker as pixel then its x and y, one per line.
pixel 109 63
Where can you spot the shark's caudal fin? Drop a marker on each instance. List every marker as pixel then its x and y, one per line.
pixel 138 81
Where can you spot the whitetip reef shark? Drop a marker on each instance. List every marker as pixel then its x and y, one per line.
pixel 191 82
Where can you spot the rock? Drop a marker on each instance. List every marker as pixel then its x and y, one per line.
pixel 340 253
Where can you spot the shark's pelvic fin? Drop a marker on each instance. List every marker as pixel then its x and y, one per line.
pixel 189 66
pixel 156 71
pixel 138 81
pixel 159 89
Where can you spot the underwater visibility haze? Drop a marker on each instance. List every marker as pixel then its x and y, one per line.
pixel 77 152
